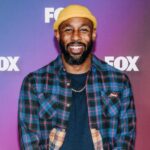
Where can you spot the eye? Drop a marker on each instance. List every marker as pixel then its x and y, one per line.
pixel 85 30
pixel 67 30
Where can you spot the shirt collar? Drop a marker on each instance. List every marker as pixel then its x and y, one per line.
pixel 59 67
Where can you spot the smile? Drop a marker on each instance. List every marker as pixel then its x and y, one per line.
pixel 76 49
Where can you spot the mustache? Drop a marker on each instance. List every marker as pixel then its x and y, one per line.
pixel 75 43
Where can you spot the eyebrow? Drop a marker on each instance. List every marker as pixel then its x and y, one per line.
pixel 68 25
pixel 64 26
pixel 85 25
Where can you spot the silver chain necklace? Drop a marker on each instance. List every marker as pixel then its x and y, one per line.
pixel 78 91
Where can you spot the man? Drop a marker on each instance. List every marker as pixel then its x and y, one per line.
pixel 77 102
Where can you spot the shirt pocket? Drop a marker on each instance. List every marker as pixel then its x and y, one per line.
pixel 110 104
pixel 48 105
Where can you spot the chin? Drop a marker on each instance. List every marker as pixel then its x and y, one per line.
pixel 76 56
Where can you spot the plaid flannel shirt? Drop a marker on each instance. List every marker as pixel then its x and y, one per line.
pixel 45 102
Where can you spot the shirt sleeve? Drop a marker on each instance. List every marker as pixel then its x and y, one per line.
pixel 125 139
pixel 28 122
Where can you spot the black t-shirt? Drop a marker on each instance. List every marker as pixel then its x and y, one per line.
pixel 78 135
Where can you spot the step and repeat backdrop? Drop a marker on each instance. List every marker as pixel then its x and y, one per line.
pixel 27 43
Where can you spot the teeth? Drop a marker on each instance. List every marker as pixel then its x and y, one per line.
pixel 76 47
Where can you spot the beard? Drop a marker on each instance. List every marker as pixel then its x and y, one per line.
pixel 72 60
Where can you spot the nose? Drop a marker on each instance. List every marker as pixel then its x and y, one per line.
pixel 76 36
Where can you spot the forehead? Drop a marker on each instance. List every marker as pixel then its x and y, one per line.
pixel 76 22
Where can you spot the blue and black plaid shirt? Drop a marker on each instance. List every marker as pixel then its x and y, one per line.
pixel 45 102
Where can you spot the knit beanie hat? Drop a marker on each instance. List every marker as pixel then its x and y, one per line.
pixel 74 11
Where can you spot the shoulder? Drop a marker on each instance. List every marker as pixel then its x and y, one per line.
pixel 103 66
pixel 50 68
pixel 43 76
pixel 110 75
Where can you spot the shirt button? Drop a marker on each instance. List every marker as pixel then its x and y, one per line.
pixel 68 105
pixel 68 83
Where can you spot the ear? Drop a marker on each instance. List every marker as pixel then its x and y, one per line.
pixel 94 35
pixel 57 35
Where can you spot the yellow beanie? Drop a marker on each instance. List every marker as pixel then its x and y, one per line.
pixel 74 11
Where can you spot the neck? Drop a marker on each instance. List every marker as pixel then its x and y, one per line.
pixel 78 69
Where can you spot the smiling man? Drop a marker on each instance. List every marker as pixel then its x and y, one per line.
pixel 77 102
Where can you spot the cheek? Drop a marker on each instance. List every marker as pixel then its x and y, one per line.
pixel 65 39
pixel 86 38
